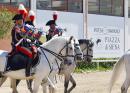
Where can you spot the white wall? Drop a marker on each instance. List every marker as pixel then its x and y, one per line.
pixel 128 36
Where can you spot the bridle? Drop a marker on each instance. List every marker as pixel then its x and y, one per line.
pixel 75 47
pixel 87 50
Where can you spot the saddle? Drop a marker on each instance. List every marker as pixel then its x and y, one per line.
pixel 19 61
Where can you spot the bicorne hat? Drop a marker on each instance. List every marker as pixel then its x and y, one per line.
pixel 17 17
pixel 50 22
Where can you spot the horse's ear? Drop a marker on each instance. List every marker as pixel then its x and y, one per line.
pixel 71 39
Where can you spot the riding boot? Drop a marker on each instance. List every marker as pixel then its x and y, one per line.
pixel 28 67
pixel 11 52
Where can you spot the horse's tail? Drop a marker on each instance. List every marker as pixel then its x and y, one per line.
pixel 116 71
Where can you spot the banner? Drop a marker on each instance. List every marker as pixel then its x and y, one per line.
pixel 110 41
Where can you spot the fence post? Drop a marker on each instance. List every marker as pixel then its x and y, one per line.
pixel 98 66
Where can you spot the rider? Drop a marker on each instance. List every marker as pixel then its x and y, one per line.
pixel 19 22
pixel 16 37
pixel 30 21
pixel 16 33
pixel 53 30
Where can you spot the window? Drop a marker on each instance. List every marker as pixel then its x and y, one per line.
pixel 129 8
pixel 61 5
pixel 106 7
pixel 4 1
pixel 117 8
pixel 93 6
pixel 75 6
pixel 15 2
pixel 44 4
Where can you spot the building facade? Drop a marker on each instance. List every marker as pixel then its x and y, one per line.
pixel 108 20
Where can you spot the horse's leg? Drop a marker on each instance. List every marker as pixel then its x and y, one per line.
pixel 66 83
pixel 44 87
pixel 125 86
pixel 73 84
pixel 29 84
pixel 52 88
pixel 17 82
pixel 126 83
pixel 2 80
pixel 37 82
pixel 13 85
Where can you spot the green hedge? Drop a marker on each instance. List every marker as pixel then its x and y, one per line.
pixel 103 66
pixel 6 22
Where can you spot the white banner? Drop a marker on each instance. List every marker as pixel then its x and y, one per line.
pixel 111 42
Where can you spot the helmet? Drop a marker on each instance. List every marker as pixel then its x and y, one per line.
pixel 50 22
pixel 17 17
pixel 31 15
pixel 55 15
pixel 22 10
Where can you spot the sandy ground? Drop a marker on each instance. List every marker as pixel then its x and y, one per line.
pixel 94 82
pixel 5 44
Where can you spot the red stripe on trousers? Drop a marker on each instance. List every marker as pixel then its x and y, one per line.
pixel 24 51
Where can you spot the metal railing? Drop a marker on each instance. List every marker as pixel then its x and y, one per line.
pixel 101 61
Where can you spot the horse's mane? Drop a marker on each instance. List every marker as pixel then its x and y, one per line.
pixel 82 41
pixel 86 41
pixel 55 39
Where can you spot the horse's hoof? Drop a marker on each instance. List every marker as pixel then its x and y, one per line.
pixel 15 92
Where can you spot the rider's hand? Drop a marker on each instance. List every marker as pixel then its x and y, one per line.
pixel 28 40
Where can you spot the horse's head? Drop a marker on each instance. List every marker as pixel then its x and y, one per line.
pixel 77 49
pixel 71 52
pixel 87 49
pixel 72 48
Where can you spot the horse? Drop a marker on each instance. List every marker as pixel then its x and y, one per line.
pixel 86 46
pixel 64 51
pixel 124 61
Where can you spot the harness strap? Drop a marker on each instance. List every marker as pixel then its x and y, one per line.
pixel 47 61
pixel 57 65
pixel 53 53
pixel 88 55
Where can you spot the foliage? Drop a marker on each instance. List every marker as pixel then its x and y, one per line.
pixel 43 39
pixel 6 22
pixel 93 66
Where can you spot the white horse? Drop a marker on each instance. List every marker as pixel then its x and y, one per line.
pixel 57 48
pixel 124 60
pixel 86 46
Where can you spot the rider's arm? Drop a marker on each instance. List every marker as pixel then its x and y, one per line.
pixel 18 33
pixel 19 42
